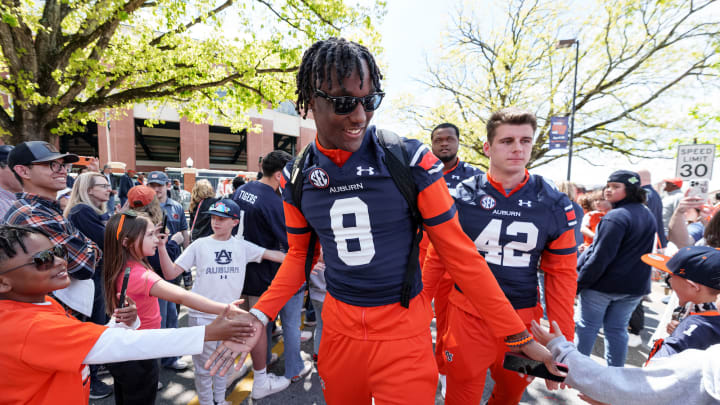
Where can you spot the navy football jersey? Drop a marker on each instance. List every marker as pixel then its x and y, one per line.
pixel 460 172
pixel 697 331
pixel 262 222
pixel 362 221
pixel 512 232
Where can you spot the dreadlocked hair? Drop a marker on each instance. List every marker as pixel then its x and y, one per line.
pixel 12 236
pixel 318 62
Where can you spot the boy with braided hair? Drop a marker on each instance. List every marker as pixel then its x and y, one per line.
pixel 366 229
pixel 44 351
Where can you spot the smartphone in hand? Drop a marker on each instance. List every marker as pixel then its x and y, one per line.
pixel 123 289
pixel 522 364
pixel 164 224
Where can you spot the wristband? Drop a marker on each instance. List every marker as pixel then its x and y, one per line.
pixel 518 340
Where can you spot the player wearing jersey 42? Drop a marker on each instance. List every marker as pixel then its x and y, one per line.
pixel 372 346
pixel 520 223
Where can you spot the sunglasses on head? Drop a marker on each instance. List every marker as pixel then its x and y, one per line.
pixel 220 208
pixel 44 260
pixel 344 105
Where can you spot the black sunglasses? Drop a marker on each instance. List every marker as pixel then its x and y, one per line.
pixel 344 105
pixel 44 260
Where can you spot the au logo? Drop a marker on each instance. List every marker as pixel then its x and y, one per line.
pixel 488 202
pixel 319 178
pixel 223 257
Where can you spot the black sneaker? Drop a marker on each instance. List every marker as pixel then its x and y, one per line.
pixel 99 390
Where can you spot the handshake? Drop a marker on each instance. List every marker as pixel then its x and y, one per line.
pixel 239 330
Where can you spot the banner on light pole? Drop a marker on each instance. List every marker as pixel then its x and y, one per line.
pixel 559 133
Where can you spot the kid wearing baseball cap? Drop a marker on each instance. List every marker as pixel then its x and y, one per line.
pixel 694 275
pixel 220 261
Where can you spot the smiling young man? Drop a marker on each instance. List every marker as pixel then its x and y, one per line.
pixel 520 223
pixel 42 171
pixel 372 346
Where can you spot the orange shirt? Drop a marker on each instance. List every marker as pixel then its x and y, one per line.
pixel 591 220
pixel 41 354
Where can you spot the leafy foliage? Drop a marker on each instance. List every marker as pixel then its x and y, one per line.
pixel 65 60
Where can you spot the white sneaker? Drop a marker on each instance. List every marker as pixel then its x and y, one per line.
pixel 273 359
pixel 306 335
pixel 634 340
pixel 306 369
pixel 443 384
pixel 273 383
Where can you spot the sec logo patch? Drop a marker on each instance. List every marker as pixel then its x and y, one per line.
pixel 319 178
pixel 488 202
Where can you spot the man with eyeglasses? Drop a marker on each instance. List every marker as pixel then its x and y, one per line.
pixel 9 185
pixel 372 346
pixel 42 171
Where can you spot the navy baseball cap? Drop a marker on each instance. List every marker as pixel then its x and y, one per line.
pixel 158 178
pixel 627 177
pixel 225 208
pixel 700 264
pixel 30 152
pixel 4 152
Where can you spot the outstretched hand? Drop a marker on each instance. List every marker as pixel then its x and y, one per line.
pixel 543 337
pixel 238 347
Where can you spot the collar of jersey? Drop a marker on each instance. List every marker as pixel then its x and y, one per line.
pixel 499 187
pixel 452 168
pixel 337 156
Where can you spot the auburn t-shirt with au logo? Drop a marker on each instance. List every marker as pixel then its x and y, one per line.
pixel 220 273
pixel 41 354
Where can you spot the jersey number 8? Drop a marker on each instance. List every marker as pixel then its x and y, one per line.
pixel 489 242
pixel 361 231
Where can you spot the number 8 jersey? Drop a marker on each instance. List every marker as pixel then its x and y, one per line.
pixel 362 221
pixel 517 229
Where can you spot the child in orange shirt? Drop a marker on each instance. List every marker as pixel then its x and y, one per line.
pixel 44 352
pixel 591 219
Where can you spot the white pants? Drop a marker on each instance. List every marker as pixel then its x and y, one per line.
pixel 206 385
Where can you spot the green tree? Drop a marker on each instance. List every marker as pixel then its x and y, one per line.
pixel 63 61
pixel 639 60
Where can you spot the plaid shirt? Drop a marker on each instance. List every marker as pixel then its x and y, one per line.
pixel 35 211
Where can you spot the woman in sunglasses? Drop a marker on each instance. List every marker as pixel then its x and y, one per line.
pixel 87 211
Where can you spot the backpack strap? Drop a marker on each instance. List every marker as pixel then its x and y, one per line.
pixel 296 185
pixel 398 163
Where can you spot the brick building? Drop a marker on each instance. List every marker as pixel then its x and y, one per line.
pixel 171 143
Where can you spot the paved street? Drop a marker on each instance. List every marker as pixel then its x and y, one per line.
pixel 180 390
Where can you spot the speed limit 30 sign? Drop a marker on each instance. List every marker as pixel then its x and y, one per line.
pixel 695 161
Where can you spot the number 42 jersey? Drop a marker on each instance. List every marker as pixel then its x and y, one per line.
pixel 520 231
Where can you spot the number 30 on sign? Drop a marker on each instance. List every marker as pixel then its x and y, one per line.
pixel 695 161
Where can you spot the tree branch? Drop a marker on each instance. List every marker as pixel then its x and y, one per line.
pixel 195 21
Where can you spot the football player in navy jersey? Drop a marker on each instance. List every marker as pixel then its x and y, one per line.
pixel 520 223
pixel 372 346
pixel 445 140
pixel 263 223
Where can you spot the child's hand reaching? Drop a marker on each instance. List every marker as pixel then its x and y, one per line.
pixel 127 314
pixel 543 336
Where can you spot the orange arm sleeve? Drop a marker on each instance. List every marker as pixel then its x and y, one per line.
pixel 561 281
pixel 432 271
pixel 465 264
pixel 291 274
